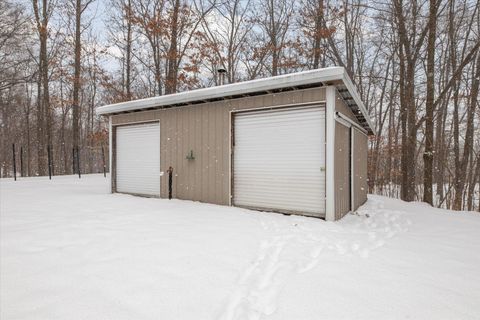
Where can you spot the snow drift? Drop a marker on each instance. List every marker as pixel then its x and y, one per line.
pixel 71 250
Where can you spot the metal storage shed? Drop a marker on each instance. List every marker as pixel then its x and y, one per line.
pixel 294 143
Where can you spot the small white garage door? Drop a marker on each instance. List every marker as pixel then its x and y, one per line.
pixel 138 159
pixel 279 160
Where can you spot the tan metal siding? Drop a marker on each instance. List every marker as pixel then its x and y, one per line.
pixel 341 106
pixel 343 166
pixel 359 154
pixel 205 129
pixel 342 170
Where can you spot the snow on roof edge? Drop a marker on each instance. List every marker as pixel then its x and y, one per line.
pixel 238 88
pixel 356 96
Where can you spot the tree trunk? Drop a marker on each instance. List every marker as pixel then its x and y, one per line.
pixel 412 132
pixel 171 77
pixel 403 120
pixel 76 78
pixel 318 35
pixel 273 38
pixel 388 165
pixel 43 98
pixel 440 158
pixel 474 179
pixel 128 62
pixel 40 128
pixel 462 164
pixel 28 145
pixel 429 106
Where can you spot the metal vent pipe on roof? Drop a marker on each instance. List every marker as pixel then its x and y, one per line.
pixel 221 76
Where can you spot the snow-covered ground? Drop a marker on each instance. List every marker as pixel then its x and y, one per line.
pixel 71 250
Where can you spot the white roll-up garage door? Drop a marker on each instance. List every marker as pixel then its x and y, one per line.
pixel 279 160
pixel 138 159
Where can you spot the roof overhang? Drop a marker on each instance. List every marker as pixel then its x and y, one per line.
pixel 335 76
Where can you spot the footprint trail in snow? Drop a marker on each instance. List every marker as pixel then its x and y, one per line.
pixel 295 247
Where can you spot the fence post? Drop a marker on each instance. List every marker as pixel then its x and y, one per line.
pixel 21 162
pixel 170 182
pixel 52 161
pixel 49 163
pixel 14 164
pixel 73 160
pixel 78 163
pixel 104 168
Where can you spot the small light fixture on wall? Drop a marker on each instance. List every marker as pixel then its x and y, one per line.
pixel 190 156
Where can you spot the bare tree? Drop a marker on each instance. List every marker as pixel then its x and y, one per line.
pixel 312 21
pixel 429 105
pixel 226 41
pixel 42 13
pixel 80 7
pixel 275 19
pixel 121 34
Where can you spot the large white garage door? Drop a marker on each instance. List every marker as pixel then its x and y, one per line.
pixel 138 159
pixel 279 160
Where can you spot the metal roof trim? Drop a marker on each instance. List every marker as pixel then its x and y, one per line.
pixel 317 76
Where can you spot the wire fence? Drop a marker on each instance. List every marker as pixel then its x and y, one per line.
pixel 89 159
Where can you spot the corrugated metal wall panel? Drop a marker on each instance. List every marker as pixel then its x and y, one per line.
pixel 342 107
pixel 360 155
pixel 192 178
pixel 278 160
pixel 342 170
pixel 138 159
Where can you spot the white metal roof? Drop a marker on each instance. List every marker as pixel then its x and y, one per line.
pixel 304 78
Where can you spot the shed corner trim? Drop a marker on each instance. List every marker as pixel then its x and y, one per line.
pixel 330 154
